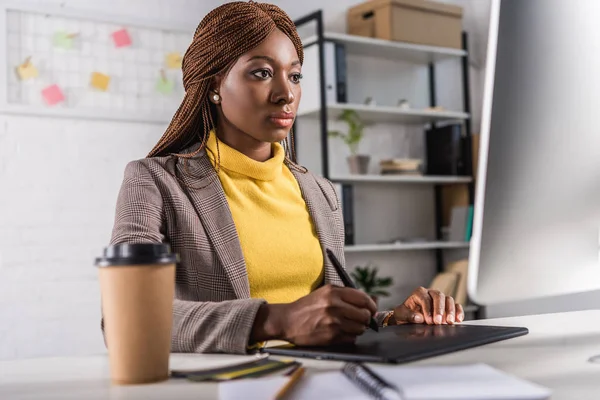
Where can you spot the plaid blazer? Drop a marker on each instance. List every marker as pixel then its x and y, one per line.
pixel 181 202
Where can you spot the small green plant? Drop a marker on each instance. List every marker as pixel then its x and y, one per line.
pixel 366 279
pixel 355 130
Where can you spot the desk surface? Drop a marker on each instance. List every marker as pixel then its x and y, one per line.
pixel 555 354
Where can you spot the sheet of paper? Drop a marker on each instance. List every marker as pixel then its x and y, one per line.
pixel 467 382
pixel 100 81
pixel 121 38
pixel 53 95
pixel 173 60
pixel 164 86
pixel 63 40
pixel 329 385
pixel 27 71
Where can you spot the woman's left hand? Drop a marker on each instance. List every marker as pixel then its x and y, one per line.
pixel 428 306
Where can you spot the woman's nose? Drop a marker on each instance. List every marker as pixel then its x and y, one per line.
pixel 283 93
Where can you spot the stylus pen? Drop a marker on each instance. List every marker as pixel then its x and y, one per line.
pixel 347 281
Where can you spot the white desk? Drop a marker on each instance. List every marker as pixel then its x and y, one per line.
pixel 554 354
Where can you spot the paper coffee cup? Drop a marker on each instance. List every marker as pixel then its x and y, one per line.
pixel 137 283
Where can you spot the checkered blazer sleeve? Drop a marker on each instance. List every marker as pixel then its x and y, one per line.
pixel 212 327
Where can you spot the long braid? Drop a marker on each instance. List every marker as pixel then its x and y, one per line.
pixel 222 36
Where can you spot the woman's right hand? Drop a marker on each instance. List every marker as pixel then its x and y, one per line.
pixel 329 315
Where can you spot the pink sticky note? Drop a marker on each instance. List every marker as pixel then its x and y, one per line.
pixel 121 38
pixel 53 95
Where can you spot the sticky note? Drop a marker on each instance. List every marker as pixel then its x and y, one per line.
pixel 100 81
pixel 63 40
pixel 173 60
pixel 27 71
pixel 53 95
pixel 121 38
pixel 164 86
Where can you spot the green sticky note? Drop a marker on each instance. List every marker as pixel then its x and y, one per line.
pixel 63 40
pixel 164 86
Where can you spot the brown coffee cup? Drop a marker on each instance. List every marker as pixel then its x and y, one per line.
pixel 137 283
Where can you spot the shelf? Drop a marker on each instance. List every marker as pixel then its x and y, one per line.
pixel 357 179
pixel 378 48
pixel 360 248
pixel 385 114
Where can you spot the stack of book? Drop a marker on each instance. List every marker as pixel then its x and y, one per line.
pixel 461 224
pixel 401 166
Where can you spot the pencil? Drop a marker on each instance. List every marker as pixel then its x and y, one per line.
pixel 294 378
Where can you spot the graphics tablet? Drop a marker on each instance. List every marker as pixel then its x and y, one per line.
pixel 404 343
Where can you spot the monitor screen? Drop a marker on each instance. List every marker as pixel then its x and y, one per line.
pixel 536 229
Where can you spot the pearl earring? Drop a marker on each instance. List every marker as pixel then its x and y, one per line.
pixel 216 97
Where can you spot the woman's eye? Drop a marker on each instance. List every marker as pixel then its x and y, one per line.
pixel 263 73
pixel 296 78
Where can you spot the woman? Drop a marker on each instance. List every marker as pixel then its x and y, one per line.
pixel 250 225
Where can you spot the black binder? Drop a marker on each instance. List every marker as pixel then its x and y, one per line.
pixel 348 213
pixel 445 150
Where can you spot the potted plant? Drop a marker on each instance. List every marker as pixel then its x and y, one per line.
pixel 367 279
pixel 358 163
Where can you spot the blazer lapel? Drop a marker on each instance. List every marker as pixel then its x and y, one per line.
pixel 321 212
pixel 202 184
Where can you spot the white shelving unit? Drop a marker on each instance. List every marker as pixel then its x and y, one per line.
pixel 377 114
pixel 386 114
pixel 397 51
pixel 407 179
pixel 389 50
pixel 363 248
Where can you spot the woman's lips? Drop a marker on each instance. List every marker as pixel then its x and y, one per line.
pixel 283 122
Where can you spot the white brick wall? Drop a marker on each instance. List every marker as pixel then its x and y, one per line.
pixel 58 184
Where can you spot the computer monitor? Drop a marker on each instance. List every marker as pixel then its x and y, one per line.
pixel 536 226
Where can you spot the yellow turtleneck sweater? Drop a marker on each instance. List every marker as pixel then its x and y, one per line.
pixel 279 242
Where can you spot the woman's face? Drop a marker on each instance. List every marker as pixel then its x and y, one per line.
pixel 261 92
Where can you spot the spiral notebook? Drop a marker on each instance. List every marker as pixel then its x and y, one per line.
pixel 465 382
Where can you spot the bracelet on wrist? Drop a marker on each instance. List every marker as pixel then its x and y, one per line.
pixel 386 320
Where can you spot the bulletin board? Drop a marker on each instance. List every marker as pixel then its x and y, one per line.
pixel 75 64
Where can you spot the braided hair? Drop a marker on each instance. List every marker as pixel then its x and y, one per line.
pixel 222 36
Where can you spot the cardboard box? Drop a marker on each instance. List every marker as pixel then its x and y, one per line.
pixel 412 21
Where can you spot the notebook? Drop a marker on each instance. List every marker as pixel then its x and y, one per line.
pixel 464 382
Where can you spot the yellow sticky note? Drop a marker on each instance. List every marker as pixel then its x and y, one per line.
pixel 100 81
pixel 27 71
pixel 173 60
